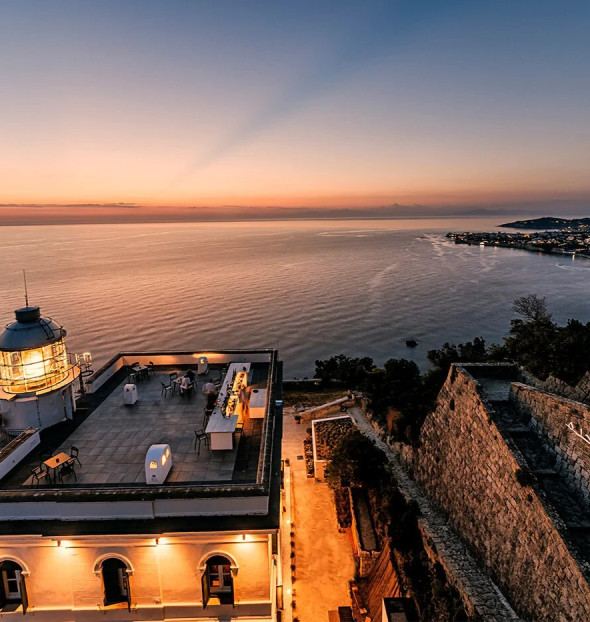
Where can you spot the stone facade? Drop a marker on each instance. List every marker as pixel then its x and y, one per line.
pixel 579 392
pixel 468 465
pixel 481 598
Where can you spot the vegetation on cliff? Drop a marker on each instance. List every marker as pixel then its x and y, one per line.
pixel 535 341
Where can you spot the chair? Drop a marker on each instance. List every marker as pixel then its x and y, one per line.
pixel 44 455
pixel 67 468
pixel 174 385
pixel 166 388
pixel 151 369
pixel 211 400
pixel 39 474
pixel 133 373
pixel 239 428
pixel 74 451
pixel 200 436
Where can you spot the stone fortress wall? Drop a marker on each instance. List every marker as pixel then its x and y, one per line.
pixel 469 465
pixel 550 415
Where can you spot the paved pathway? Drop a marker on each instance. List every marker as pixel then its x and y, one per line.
pixel 323 556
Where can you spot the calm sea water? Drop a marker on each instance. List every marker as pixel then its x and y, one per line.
pixel 312 289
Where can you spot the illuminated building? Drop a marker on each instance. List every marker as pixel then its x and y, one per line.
pixel 104 540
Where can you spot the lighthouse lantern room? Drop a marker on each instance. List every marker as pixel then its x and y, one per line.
pixel 36 373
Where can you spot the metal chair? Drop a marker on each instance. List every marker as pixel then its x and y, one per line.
pixel 151 368
pixel 166 389
pixel 44 455
pixel 135 374
pixel 39 474
pixel 74 451
pixel 239 429
pixel 200 436
pixel 67 468
pixel 190 389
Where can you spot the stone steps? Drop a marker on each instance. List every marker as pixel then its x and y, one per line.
pixel 571 507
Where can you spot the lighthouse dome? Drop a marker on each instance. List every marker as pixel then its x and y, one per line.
pixel 30 331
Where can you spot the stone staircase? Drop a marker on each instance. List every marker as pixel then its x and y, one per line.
pixel 563 500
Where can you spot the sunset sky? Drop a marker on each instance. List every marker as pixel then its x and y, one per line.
pixel 314 103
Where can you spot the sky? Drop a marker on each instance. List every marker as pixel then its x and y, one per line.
pixel 294 104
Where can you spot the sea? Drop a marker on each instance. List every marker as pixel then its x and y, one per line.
pixel 312 289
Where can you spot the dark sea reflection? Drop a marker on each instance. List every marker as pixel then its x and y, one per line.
pixel 313 288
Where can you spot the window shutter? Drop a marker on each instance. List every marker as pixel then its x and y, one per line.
pixel 205 587
pixel 128 588
pixel 23 593
pixel 231 593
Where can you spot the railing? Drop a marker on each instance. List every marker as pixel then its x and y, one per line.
pixel 14 441
pixel 42 382
pixel 5 438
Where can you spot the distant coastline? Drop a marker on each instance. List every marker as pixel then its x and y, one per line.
pixel 550 222
pixel 128 213
pixel 574 242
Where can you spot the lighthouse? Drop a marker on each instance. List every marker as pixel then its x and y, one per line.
pixel 36 373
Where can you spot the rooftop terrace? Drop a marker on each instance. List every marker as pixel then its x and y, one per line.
pixel 114 438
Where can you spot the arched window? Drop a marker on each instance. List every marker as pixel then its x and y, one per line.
pixel 115 582
pixel 13 591
pixel 217 581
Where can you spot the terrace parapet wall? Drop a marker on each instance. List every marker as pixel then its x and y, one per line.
pixel 549 416
pixel 469 469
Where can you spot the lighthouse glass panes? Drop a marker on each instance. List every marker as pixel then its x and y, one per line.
pixel 34 369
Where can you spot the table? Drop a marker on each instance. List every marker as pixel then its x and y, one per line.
pixel 141 371
pixel 257 403
pixel 221 431
pixel 56 461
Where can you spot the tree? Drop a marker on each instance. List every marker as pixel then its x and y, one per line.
pixel 468 352
pixel 350 371
pixel 356 460
pixel 531 308
pixel 531 341
pixel 571 351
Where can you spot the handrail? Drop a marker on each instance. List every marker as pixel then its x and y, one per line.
pixel 42 382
